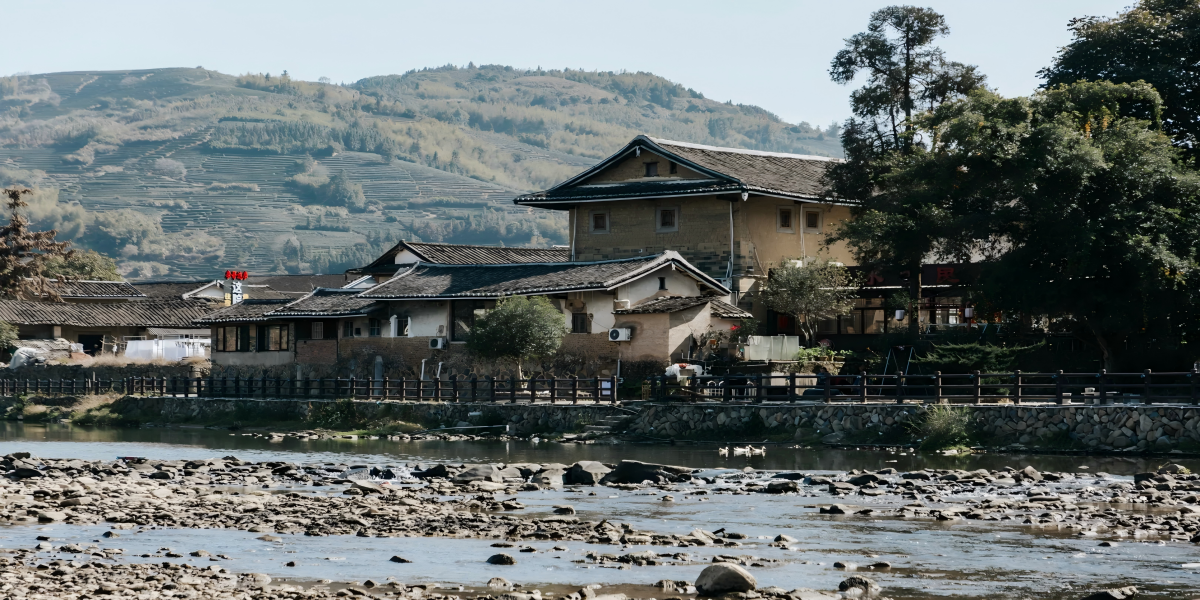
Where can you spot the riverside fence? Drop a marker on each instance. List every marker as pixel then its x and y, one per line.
pixel 970 388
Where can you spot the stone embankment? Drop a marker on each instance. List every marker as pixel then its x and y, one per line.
pixel 1102 427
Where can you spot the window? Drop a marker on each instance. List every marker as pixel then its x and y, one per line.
pixel 667 220
pixel 579 323
pixel 318 331
pixel 374 328
pixel 812 219
pixel 234 338
pixel 785 220
pixel 462 315
pixel 272 338
pixel 652 169
pixel 673 168
pixel 599 222
pixel 662 283
pixel 347 329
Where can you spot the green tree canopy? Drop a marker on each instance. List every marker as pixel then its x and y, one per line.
pixel 82 264
pixel 1080 206
pixel 1156 41
pixel 519 328
pixel 811 291
pixel 24 253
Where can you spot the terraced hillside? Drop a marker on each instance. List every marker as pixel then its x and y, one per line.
pixel 188 172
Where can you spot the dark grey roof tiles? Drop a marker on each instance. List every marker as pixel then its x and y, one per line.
pixel 169 290
pixel 726 171
pixel 298 284
pixel 96 289
pixel 670 304
pixel 124 314
pixel 247 310
pixel 326 302
pixel 491 281
pixel 462 254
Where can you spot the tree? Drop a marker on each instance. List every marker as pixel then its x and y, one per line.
pixel 82 264
pixel 519 328
pixel 24 253
pixel 811 291
pixel 1156 41
pixel 1081 210
pixel 905 75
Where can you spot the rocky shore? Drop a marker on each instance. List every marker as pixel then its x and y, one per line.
pixel 484 501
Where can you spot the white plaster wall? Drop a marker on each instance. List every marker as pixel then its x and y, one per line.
pixel 678 284
pixel 426 316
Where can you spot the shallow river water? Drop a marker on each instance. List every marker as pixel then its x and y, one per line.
pixel 931 559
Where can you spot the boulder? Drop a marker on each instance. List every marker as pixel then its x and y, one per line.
pixel 435 471
pixel 500 583
pixel 866 478
pixel 833 509
pixel 367 487
pixel 1113 594
pixel 25 473
pixel 564 509
pixel 633 471
pixel 1030 473
pixel 782 486
pixel 1174 469
pixel 586 472
pixel 790 476
pixel 480 473
pixel 550 478
pixel 865 584
pixel 400 559
pixel 723 578
pixel 50 516
pixel 501 559
pixel 783 538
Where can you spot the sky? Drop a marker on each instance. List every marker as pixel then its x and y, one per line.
pixel 770 53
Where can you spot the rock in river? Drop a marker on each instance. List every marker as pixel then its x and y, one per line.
pixel 865 585
pixel 586 472
pixel 723 578
pixel 501 559
pixel 1113 594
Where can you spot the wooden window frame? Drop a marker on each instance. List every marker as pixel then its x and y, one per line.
pixel 592 222
pixel 658 226
pixel 791 211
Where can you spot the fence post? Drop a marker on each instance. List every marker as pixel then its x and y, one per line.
pixel 574 389
pixel 613 388
pixel 1017 386
pixel 1058 387
pixel 596 389
pixel 1192 380
pixel 791 387
pixel 899 387
pixel 474 386
pixel 1146 391
pixel 553 387
pixel 758 388
pixel 1102 387
pixel 512 389
pixel 937 387
pixel 978 386
pixel 828 388
pixel 862 387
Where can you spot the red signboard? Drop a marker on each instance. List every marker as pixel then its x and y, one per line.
pixel 238 275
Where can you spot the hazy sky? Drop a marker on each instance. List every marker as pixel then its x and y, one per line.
pixel 771 53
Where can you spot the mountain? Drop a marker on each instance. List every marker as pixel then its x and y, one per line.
pixel 188 172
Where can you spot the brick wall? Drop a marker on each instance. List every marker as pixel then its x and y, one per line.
pixel 316 352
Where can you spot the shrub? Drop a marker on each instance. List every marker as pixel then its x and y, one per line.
pixel 944 426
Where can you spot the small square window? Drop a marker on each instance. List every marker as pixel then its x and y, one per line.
pixel 348 329
pixel 668 220
pixel 812 219
pixel 652 169
pixel 662 283
pixel 599 222
pixel 376 328
pixel 318 330
pixel 579 323
pixel 785 220
pixel 673 168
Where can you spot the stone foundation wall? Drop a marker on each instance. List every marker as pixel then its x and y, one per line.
pixel 524 419
pixel 1153 427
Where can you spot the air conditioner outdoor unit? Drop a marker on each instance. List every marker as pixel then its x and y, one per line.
pixel 620 334
pixel 437 343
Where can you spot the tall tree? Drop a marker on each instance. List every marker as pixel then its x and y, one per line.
pixel 24 253
pixel 905 75
pixel 1080 206
pixel 1156 41
pixel 812 290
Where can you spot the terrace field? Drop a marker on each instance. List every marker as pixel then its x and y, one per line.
pixel 188 172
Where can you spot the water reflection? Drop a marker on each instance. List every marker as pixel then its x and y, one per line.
pixel 174 443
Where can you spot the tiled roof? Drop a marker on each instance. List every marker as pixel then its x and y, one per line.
pixel 298 284
pixel 463 254
pixel 326 302
pixel 124 314
pixel 170 290
pixel 491 281
pixel 246 310
pixel 96 289
pixel 670 304
pixel 727 170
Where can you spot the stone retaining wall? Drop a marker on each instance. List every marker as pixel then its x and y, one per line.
pixel 524 419
pixel 1153 427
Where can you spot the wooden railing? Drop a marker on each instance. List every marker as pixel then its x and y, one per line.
pixel 573 390
pixel 968 388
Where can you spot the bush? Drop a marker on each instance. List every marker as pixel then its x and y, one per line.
pixel 944 426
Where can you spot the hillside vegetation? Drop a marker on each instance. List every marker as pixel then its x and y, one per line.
pixel 187 172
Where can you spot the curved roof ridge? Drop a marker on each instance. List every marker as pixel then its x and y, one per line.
pixel 741 150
